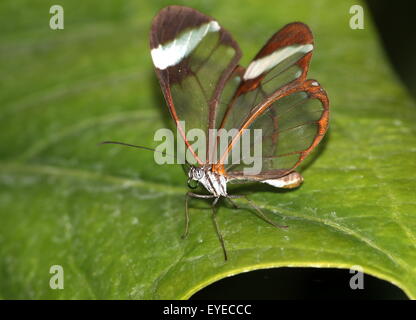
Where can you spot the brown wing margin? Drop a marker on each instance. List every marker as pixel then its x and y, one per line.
pixel 167 26
pixel 314 91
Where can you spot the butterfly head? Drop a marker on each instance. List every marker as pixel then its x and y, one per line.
pixel 195 174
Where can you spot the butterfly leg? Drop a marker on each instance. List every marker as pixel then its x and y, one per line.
pixel 235 206
pixel 217 228
pixel 255 207
pixel 187 196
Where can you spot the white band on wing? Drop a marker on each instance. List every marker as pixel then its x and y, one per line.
pixel 173 52
pixel 257 67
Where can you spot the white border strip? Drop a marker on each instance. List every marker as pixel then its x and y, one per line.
pixel 173 52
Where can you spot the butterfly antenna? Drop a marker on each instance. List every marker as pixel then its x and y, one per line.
pixel 131 145
pixel 139 147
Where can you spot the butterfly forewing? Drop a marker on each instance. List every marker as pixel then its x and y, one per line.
pixel 274 96
pixel 283 59
pixel 193 57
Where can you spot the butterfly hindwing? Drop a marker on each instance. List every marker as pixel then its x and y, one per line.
pixel 293 122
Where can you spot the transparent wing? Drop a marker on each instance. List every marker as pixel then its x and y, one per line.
pixel 292 124
pixel 284 59
pixel 193 57
pixel 273 95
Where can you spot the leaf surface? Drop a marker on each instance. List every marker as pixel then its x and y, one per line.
pixel 113 218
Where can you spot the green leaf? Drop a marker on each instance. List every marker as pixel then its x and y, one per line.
pixel 112 218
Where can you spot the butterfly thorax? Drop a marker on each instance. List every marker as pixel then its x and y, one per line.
pixel 215 183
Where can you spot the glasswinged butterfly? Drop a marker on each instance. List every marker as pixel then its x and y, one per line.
pixel 197 64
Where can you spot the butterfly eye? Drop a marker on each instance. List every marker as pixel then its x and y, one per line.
pixel 192 183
